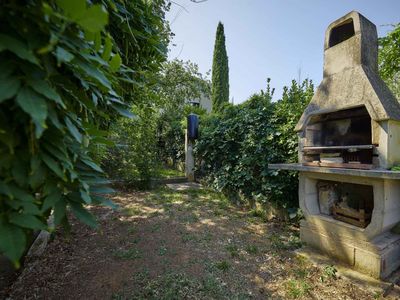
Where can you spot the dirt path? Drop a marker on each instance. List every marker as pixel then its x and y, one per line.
pixel 189 244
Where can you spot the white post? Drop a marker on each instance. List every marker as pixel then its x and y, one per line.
pixel 189 158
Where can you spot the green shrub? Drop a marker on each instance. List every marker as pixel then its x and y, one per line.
pixel 236 146
pixel 61 86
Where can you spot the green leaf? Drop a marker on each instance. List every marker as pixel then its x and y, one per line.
pixel 53 165
pixel 73 130
pixel 63 55
pixel 30 208
pixel 5 190
pixel 115 63
pixel 12 242
pixel 51 200
pixel 18 48
pixel 107 48
pixel 35 163
pixel 27 221
pixel 59 211
pixel 43 88
pixel 123 112
pixel 20 194
pixel 94 73
pixel 94 19
pixel 38 177
pixel 8 88
pixel 32 104
pixel 20 172
pixel 75 9
pixel 85 196
pixel 97 42
pixel 92 165
pixel 102 190
pixel 82 214
pixel 7 67
pixel 106 202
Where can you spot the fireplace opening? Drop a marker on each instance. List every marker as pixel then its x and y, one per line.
pixel 347 202
pixel 341 33
pixel 340 139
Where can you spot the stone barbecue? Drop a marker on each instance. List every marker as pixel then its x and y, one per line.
pixel 349 138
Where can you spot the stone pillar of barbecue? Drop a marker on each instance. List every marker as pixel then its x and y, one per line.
pixel 350 83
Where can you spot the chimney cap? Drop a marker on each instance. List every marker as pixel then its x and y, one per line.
pixel 351 77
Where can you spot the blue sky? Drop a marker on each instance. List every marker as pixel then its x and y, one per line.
pixel 266 38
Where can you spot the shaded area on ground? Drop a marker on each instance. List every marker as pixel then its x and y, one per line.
pixel 168 244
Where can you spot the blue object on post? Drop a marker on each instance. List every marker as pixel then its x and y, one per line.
pixel 193 126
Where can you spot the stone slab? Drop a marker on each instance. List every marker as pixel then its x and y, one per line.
pixel 184 186
pixel 374 173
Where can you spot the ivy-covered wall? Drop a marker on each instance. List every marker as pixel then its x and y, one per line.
pixel 236 146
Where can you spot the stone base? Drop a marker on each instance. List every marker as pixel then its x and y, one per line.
pixel 378 258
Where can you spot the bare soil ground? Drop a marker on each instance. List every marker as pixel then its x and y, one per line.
pixel 167 244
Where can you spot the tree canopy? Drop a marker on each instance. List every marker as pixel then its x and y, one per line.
pixel 389 60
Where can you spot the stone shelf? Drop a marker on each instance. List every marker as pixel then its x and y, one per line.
pixel 354 147
pixel 376 173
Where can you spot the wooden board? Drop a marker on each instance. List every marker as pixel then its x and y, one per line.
pixel 350 221
pixel 358 218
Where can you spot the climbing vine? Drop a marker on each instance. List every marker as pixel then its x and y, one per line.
pixel 236 146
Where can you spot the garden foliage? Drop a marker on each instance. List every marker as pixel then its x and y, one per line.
pixel 220 71
pixel 61 86
pixel 389 60
pixel 236 146
pixel 143 145
pixel 180 83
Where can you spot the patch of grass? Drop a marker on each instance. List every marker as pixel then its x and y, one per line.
pixel 164 196
pixel 178 286
pixel 300 273
pixel 169 286
pixel 252 249
pixel 297 288
pixel 190 218
pixel 131 211
pixel 278 243
pixel 117 296
pixel 233 250
pixel 223 204
pixel 169 173
pixel 132 230
pixel 197 193
pixel 294 242
pixel 155 214
pixel 213 287
pixel 162 251
pixel 218 212
pixel 377 295
pixel 207 237
pixel 155 227
pixel 136 240
pixel 189 237
pixel 129 254
pixel 258 213
pixel 223 265
pixel 328 272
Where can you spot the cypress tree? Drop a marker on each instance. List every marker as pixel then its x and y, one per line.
pixel 220 71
